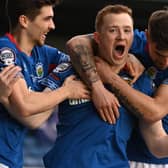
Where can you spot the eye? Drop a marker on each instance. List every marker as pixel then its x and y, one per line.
pixel 113 30
pixel 127 30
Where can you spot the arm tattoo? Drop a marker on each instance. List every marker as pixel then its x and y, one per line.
pixel 124 100
pixel 86 61
pixel 83 61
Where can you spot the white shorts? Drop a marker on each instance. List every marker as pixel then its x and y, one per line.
pixel 146 165
pixel 3 166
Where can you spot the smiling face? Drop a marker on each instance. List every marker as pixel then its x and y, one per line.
pixel 115 37
pixel 38 28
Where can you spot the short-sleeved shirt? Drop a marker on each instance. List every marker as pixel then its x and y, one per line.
pixel 35 67
pixel 84 140
pixel 137 149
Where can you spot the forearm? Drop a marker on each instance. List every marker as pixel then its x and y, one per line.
pixel 143 106
pixel 155 137
pixel 25 103
pixel 33 121
pixel 36 120
pixel 80 49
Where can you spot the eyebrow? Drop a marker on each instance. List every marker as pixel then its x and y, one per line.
pixel 158 53
pixel 116 26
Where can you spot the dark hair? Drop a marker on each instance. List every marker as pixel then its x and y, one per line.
pixel 116 9
pixel 30 8
pixel 158 28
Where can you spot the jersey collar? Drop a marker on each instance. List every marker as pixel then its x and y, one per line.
pixel 11 38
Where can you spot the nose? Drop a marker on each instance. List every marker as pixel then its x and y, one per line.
pixel 121 34
pixel 52 25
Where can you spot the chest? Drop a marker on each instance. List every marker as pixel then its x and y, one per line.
pixel 34 68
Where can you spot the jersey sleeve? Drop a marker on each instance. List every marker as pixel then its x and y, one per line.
pixel 56 56
pixel 139 43
pixel 145 84
pixel 56 78
pixel 8 55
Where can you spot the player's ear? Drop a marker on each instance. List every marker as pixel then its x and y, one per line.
pixel 147 34
pixel 96 37
pixel 23 20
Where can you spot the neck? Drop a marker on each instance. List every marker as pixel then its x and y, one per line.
pixel 117 68
pixel 23 42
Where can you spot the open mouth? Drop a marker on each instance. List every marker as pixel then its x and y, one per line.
pixel 119 50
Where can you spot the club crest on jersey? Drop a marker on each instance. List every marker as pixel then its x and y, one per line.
pixel 152 72
pixel 39 70
pixel 62 67
pixel 7 56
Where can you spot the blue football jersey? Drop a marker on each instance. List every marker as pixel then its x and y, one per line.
pixel 34 68
pixel 84 140
pixel 140 153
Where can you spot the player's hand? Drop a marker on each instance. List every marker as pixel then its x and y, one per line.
pixel 134 67
pixel 8 77
pixel 105 102
pixel 76 88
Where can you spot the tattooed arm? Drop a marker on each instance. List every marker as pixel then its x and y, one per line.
pixel 149 108
pixel 81 50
